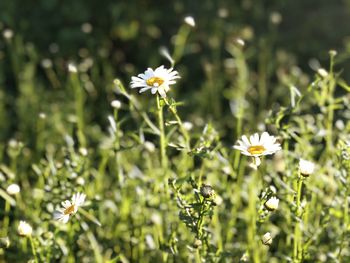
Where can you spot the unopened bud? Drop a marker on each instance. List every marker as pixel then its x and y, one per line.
pixel 272 203
pixel 197 243
pixel 267 239
pixel 4 242
pixel 189 20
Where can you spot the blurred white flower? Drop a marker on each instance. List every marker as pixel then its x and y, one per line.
pixel 322 72
pixel 72 68
pixel 116 104
pixel 257 146
pixel 24 229
pixel 240 42
pixel 13 189
pixel 69 208
pixel 8 33
pixel 157 80
pixel 86 28
pixel 272 203
pixel 189 20
pixel 267 238
pixel 306 167
pixel 188 125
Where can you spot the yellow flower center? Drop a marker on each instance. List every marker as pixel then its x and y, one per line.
pixel 69 210
pixel 154 81
pixel 256 149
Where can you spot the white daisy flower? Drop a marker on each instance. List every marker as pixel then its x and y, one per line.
pixel 157 80
pixel 24 229
pixel 69 208
pixel 272 203
pixel 257 146
pixel 306 167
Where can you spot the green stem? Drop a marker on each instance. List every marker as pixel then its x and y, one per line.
pixel 163 157
pixel 179 121
pixel 253 247
pixel 79 107
pixel 297 250
pixel 6 218
pixel 117 146
pixel 33 249
pixel 200 219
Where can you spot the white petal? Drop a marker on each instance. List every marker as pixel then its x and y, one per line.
pixel 264 138
pixel 245 140
pixel 65 219
pixel 144 89
pixel 162 93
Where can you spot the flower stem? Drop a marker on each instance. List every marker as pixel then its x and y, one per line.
pixel 182 128
pixel 6 218
pixel 297 250
pixel 33 249
pixel 253 247
pixel 163 157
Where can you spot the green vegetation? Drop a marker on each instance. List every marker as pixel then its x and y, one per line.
pixel 162 180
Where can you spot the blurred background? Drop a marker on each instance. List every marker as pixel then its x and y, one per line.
pixel 239 65
pixel 285 42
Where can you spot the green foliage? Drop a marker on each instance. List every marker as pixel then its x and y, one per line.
pixel 163 183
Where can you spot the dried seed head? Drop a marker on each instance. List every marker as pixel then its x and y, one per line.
pixel 207 191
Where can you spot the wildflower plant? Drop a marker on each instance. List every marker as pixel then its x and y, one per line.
pixel 108 164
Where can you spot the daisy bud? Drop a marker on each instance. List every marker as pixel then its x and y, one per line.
pixel 188 125
pixel 72 68
pixel 272 203
pixel 306 167
pixel 13 189
pixel 207 191
pixel 149 146
pixel 332 52
pixel 24 229
pixel 322 72
pixel 42 115
pixel 116 104
pixel 240 42
pixel 189 20
pixel 197 243
pixel 83 151
pixel 267 239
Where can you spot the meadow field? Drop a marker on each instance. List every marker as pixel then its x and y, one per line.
pixel 174 131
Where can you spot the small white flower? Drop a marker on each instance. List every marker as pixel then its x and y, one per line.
pixel 272 203
pixel 116 104
pixel 257 146
pixel 69 208
pixel 267 238
pixel 157 80
pixel 24 229
pixel 306 167
pixel 189 20
pixel 13 189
